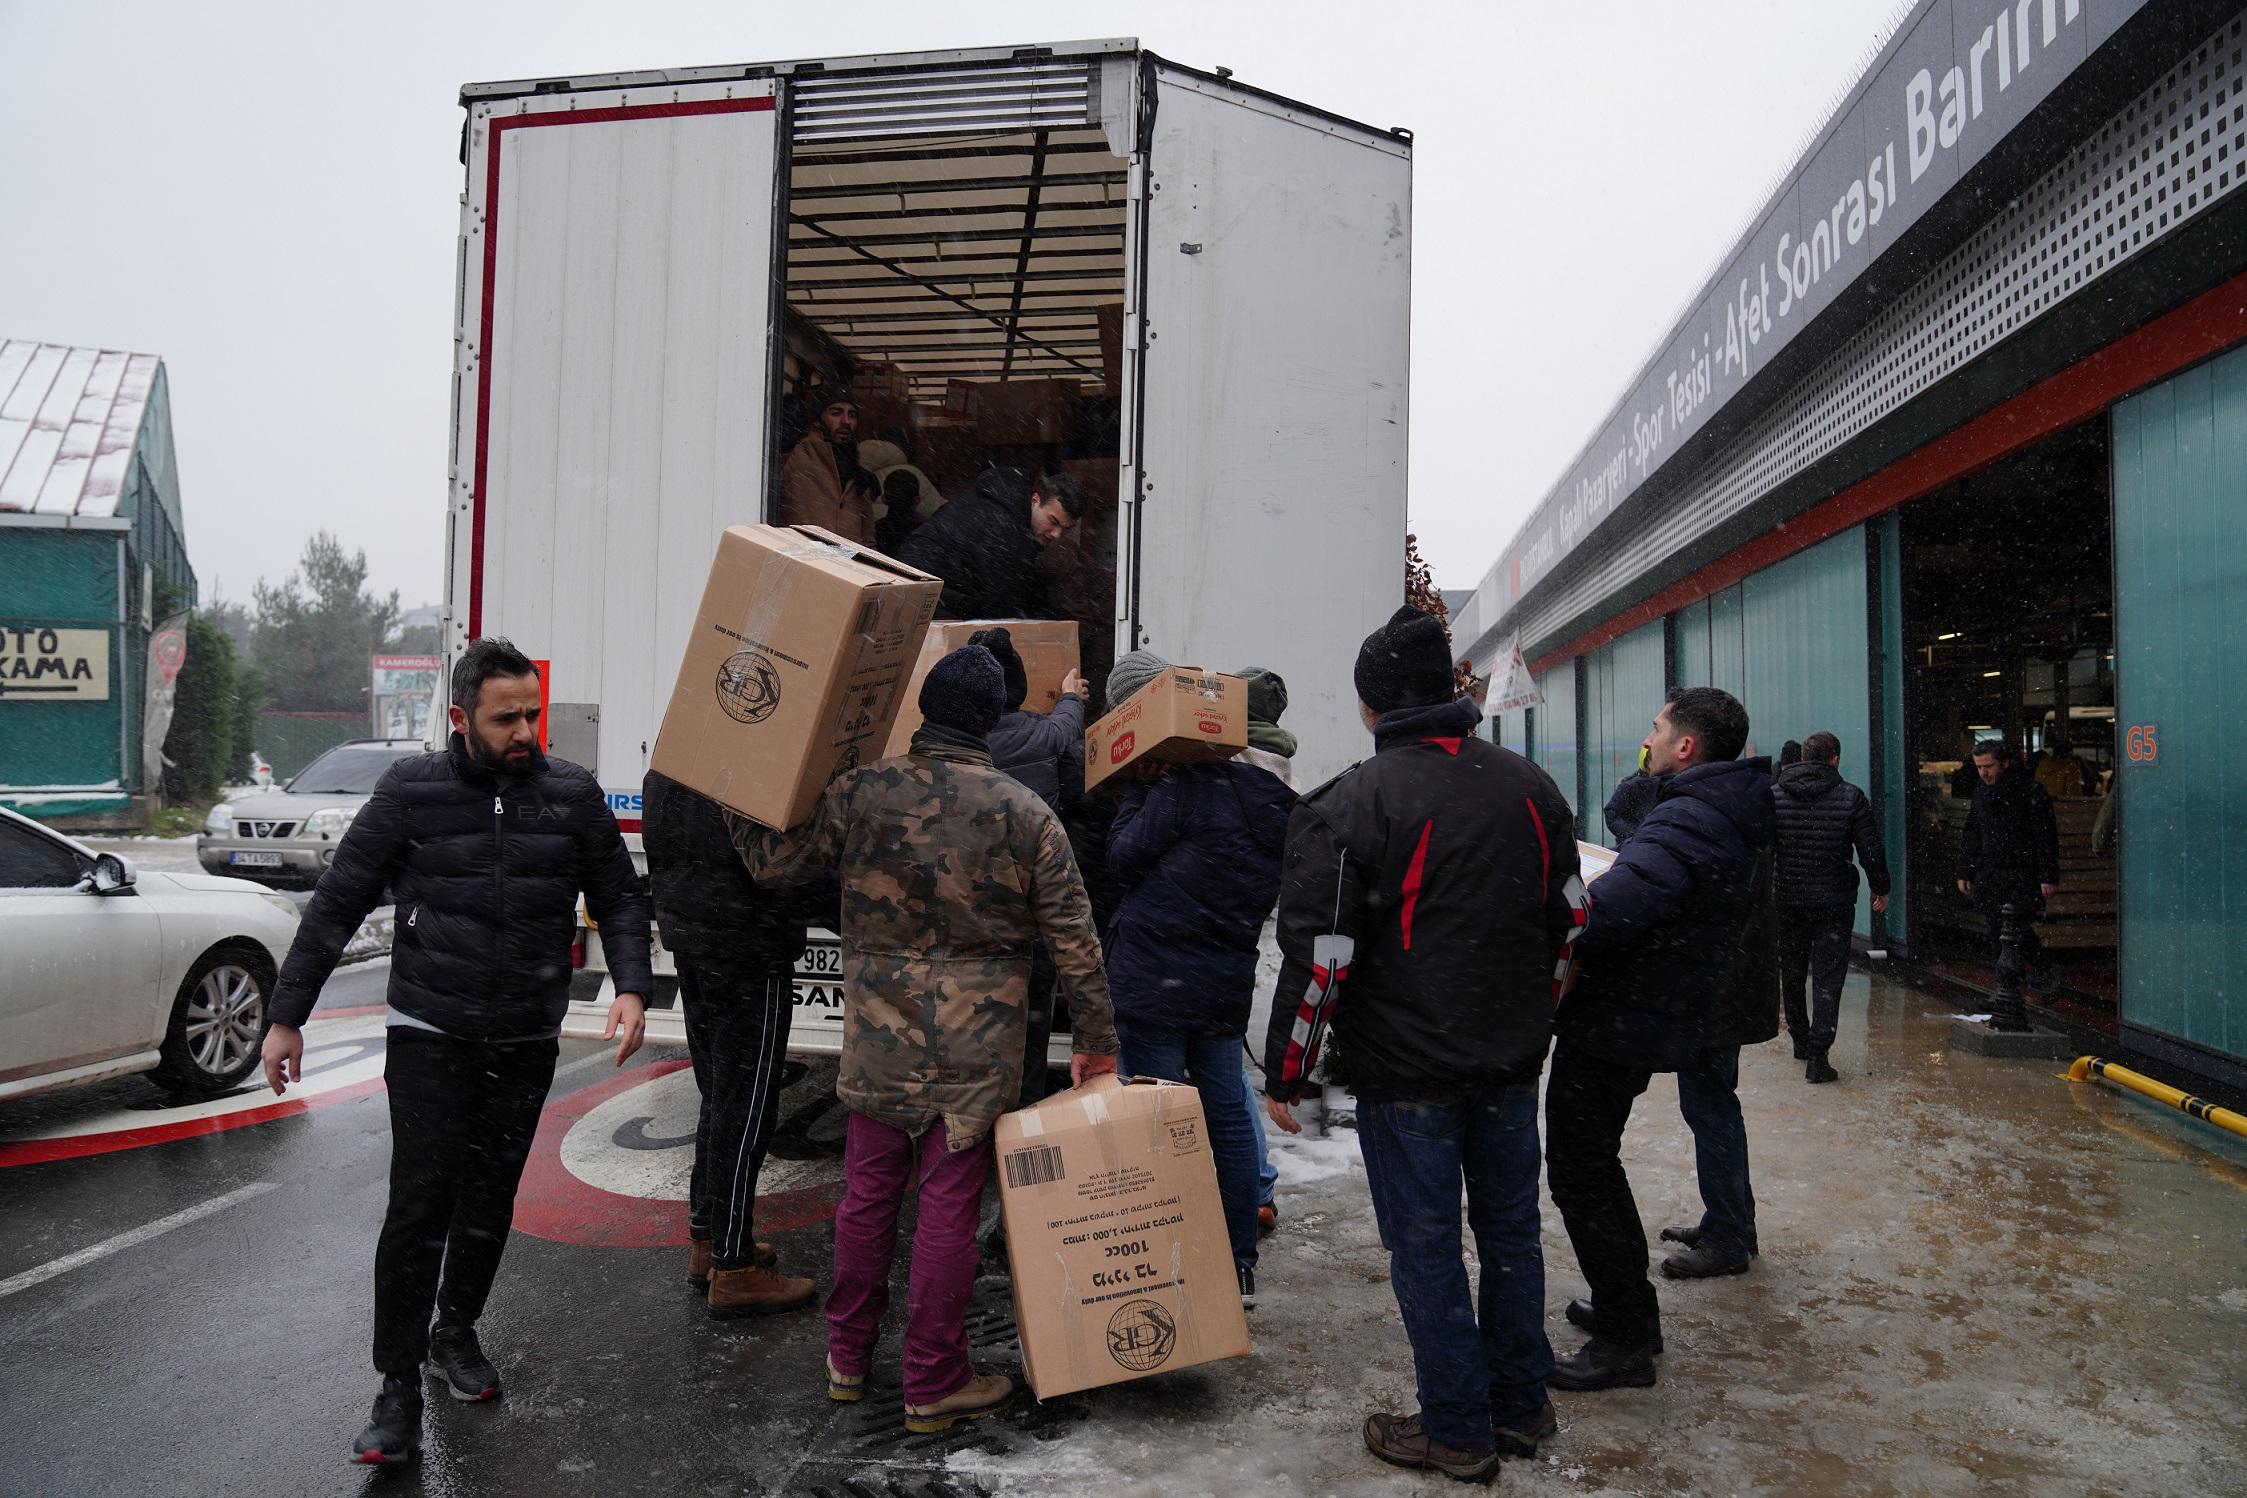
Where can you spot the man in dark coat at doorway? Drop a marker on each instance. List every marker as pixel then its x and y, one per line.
pixel 1822 819
pixel 985 545
pixel 2010 851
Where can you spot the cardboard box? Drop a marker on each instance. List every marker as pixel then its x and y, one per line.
pixel 1116 1236
pixel 1026 411
pixel 793 670
pixel 1048 648
pixel 1183 716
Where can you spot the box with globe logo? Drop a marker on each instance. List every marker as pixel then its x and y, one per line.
pixel 1116 1236
pixel 793 670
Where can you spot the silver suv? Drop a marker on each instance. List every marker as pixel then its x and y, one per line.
pixel 289 836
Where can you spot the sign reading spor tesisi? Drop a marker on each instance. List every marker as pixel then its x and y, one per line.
pixel 50 665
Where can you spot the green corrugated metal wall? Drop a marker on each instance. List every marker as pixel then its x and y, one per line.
pixel 2180 566
pixel 68 579
pixel 1805 659
pixel 1555 731
pixel 1623 685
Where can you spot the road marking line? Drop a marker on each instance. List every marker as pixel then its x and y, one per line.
pixel 128 1239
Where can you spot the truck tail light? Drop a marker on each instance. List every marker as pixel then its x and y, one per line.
pixel 577 953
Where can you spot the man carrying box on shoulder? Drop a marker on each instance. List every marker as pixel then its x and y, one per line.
pixel 951 875
pixel 1437 883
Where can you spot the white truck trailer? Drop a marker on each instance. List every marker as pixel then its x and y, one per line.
pixel 654 265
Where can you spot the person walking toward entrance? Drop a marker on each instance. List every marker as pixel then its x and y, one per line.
pixel 2010 849
pixel 486 845
pixel 1667 918
pixel 736 947
pixel 1437 883
pixel 1822 819
pixel 951 873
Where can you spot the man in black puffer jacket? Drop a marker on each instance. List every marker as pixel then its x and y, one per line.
pixel 985 545
pixel 2009 850
pixel 1822 817
pixel 1660 946
pixel 487 846
pixel 1426 898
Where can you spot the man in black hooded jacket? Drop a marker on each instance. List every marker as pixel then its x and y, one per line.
pixel 2010 850
pixel 1822 818
pixel 487 845
pixel 985 545
pixel 1426 897
pixel 1666 924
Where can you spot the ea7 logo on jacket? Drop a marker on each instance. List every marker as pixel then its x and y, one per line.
pixel 541 812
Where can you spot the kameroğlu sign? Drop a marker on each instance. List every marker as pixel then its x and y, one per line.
pixel 1957 78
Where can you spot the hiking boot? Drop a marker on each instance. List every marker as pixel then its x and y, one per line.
pixel 456 1355
pixel 1704 1261
pixel 844 1388
pixel 393 1433
pixel 754 1290
pixel 1818 1070
pixel 1520 1437
pixel 698 1260
pixel 1248 1286
pixel 1581 1315
pixel 1601 1364
pixel 1690 1237
pixel 1267 1218
pixel 1399 1441
pixel 983 1395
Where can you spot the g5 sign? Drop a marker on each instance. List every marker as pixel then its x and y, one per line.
pixel 2141 744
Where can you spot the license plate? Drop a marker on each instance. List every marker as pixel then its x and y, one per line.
pixel 820 960
pixel 254 860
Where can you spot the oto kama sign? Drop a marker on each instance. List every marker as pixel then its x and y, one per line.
pixel 53 665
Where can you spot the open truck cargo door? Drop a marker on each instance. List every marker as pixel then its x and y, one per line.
pixel 1275 304
pixel 617 299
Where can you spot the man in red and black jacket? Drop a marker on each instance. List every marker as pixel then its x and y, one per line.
pixel 1426 903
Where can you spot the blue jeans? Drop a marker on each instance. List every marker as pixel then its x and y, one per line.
pixel 1477 1357
pixel 1708 1095
pixel 1267 1174
pixel 1212 1063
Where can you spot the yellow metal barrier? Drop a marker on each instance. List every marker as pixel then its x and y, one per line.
pixel 2093 1068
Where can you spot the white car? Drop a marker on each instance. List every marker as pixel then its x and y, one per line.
pixel 104 972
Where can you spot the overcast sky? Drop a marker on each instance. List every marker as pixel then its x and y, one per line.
pixel 266 196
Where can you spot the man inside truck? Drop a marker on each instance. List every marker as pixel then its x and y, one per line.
pixel 821 483
pixel 985 545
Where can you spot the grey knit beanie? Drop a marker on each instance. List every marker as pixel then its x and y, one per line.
pixel 1131 672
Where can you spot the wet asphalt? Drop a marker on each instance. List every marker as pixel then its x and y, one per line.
pixel 229 1354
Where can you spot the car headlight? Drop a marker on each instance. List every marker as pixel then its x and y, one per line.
pixel 221 820
pixel 329 823
pixel 282 903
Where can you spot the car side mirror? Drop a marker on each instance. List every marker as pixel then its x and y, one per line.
pixel 110 875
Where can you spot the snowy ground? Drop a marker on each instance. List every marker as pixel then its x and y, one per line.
pixel 1975 1279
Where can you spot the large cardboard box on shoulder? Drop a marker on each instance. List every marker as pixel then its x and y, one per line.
pixel 1184 716
pixel 1048 648
pixel 1116 1236
pixel 794 668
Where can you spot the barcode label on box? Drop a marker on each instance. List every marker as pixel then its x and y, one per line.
pixel 1034 1166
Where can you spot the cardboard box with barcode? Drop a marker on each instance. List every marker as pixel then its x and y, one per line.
pixel 1183 716
pixel 794 668
pixel 1048 648
pixel 1116 1236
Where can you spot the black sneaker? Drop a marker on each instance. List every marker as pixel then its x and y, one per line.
pixel 455 1355
pixel 1248 1286
pixel 1818 1070
pixel 1601 1364
pixel 393 1433
pixel 1704 1261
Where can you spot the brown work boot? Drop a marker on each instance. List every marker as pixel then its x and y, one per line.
pixel 698 1263
pixel 984 1394
pixel 1399 1441
pixel 757 1291
pixel 1520 1437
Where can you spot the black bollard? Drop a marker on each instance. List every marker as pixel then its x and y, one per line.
pixel 2007 1011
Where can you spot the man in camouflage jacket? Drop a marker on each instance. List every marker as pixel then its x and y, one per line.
pixel 951 874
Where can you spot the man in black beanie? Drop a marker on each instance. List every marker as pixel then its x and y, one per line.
pixel 1437 881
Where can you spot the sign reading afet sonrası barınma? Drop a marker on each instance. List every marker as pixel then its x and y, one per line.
pixel 1957 78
